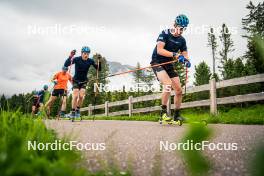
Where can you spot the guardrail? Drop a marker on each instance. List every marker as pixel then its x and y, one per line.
pixel 212 102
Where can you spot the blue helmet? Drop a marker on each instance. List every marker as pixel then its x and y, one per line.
pixel 182 20
pixel 45 87
pixel 86 49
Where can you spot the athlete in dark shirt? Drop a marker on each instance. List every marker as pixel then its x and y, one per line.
pixel 38 99
pixel 171 45
pixel 82 65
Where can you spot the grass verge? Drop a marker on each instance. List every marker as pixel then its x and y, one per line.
pixel 251 115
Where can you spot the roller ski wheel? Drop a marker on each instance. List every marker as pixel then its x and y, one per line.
pixel 172 122
pixel 177 122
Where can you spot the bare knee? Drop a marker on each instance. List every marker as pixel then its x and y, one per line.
pixel 75 95
pixel 178 91
pixel 81 96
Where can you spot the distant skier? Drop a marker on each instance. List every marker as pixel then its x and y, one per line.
pixel 38 99
pixel 80 80
pixel 171 45
pixel 60 80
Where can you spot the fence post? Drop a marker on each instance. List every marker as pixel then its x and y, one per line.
pixel 169 106
pixel 90 110
pixel 213 103
pixel 106 108
pixel 130 105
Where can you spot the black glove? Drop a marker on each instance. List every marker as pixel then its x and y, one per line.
pixel 73 52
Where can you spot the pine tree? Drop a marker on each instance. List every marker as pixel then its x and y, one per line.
pixel 253 24
pixel 227 47
pixel 181 70
pixel 91 95
pixel 212 43
pixel 3 102
pixel 202 74
pixel 138 75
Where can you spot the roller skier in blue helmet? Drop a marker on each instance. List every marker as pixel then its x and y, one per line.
pixel 82 64
pixel 171 45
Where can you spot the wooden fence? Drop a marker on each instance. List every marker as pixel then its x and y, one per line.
pixel 212 102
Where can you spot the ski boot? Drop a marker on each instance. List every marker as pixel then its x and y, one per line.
pixel 73 115
pixel 78 114
pixel 164 119
pixel 62 114
pixel 177 120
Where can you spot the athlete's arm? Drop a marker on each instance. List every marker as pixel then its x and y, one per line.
pixel 55 77
pixel 71 59
pixel 163 52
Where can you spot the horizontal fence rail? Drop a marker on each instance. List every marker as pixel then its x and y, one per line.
pixel 212 102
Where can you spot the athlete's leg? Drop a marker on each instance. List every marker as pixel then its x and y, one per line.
pixel 166 83
pixel 64 101
pixel 81 97
pixel 80 101
pixel 75 95
pixel 33 110
pixel 49 103
pixel 176 85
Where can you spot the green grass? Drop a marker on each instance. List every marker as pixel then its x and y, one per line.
pixel 15 158
pixel 251 115
pixel 16 130
pixel 197 163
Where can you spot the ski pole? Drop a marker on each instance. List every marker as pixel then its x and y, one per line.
pixel 96 92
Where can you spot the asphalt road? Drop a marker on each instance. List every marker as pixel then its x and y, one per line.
pixel 136 145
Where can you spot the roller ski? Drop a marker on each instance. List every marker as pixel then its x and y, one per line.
pixel 165 119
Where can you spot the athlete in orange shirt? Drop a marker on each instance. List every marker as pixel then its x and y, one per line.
pixel 60 80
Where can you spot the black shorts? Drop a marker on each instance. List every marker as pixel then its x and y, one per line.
pixel 36 102
pixel 168 68
pixel 59 92
pixel 79 85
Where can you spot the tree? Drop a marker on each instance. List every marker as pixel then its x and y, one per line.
pixel 3 102
pixel 202 74
pixel 253 24
pixel 213 45
pixel 148 78
pixel 91 95
pixel 138 75
pixel 181 70
pixel 227 47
